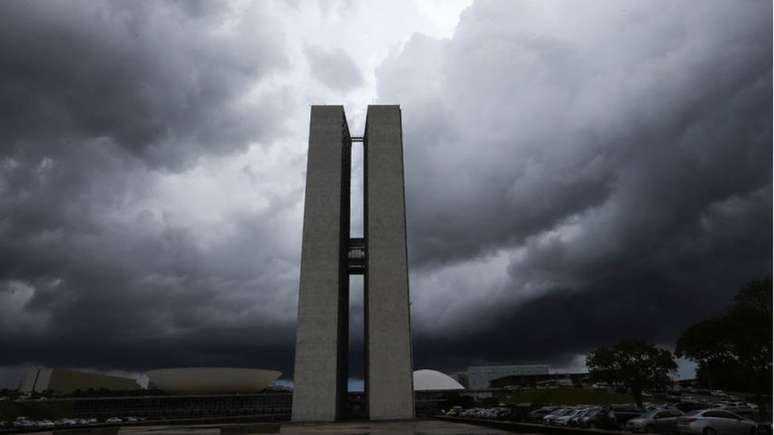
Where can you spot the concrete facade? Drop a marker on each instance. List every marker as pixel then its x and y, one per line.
pixel 211 380
pixel 323 302
pixel 389 384
pixel 67 381
pixel 329 256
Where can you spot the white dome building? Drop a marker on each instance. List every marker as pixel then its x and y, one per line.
pixel 431 380
pixel 211 380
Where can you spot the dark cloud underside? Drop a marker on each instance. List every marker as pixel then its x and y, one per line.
pixel 576 173
pixel 619 161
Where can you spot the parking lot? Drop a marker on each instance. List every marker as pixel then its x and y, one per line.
pixel 698 412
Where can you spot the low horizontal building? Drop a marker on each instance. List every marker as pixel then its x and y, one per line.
pixel 271 406
pixel 68 381
pixel 560 379
pixel 479 377
pixel 211 380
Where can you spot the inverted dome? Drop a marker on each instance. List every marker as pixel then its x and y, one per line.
pixel 210 380
pixel 431 380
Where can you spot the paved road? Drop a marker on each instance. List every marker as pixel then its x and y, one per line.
pixel 416 427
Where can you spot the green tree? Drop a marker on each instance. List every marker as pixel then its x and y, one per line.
pixel 637 364
pixel 733 351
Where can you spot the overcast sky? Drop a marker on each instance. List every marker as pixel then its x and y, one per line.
pixel 577 172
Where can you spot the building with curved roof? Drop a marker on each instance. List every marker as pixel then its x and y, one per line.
pixel 432 380
pixel 67 381
pixel 211 380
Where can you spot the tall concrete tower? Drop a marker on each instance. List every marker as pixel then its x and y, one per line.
pixel 329 256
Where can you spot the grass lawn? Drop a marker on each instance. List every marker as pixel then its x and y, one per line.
pixel 567 396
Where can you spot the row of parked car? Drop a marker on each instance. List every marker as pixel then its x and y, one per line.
pixel 496 413
pixel 698 419
pixel 602 417
pixel 24 422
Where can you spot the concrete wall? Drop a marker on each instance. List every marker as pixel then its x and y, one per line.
pixel 389 385
pixel 35 379
pixel 322 336
pixel 66 381
pixel 211 380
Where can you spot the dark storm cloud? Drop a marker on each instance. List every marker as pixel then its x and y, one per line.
pixel 588 173
pixel 159 79
pixel 685 279
pixel 136 291
pixel 576 173
pixel 98 101
pixel 334 68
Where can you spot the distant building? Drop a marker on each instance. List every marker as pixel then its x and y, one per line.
pixel 462 378
pixel 431 380
pixel 479 377
pixel 559 379
pixel 66 381
pixel 260 406
pixel 211 380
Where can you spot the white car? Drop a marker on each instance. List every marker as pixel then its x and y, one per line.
pixel 45 423
pixel 565 419
pixel 113 420
pixel 23 422
pixel 549 419
pixel 715 421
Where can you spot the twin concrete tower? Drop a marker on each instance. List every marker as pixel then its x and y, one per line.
pixel 329 256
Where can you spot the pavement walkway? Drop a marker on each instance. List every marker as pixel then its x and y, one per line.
pixel 407 427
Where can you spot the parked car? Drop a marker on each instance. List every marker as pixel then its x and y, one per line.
pixel 549 419
pixel 565 419
pixel 495 413
pixel 578 419
pixel 715 421
pixel 610 417
pixel 690 406
pixel 537 415
pixel 660 421
pixel 113 420
pixel 625 413
pixel 23 422
pixel 600 418
pixel 740 408
pixel 454 411
pixel 45 423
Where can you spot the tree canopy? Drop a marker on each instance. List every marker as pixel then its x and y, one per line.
pixel 733 351
pixel 637 364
